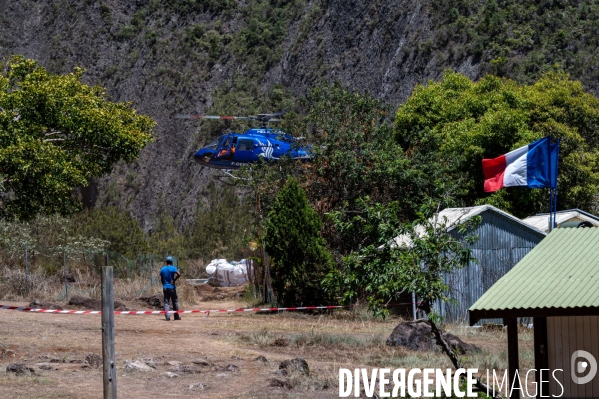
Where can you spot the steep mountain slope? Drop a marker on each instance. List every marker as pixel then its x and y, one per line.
pixel 224 56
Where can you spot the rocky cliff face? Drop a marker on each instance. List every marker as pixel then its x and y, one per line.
pixel 223 56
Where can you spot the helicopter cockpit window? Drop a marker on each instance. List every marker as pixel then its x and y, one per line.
pixel 228 142
pixel 213 145
pixel 245 145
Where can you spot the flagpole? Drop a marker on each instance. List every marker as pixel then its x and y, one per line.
pixel 555 190
pixel 550 209
pixel 550 187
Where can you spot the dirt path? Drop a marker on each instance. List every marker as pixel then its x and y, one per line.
pixel 218 340
pixel 212 357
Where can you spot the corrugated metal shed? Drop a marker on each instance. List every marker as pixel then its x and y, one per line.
pixel 503 241
pixel 562 272
pixel 541 220
pixel 451 217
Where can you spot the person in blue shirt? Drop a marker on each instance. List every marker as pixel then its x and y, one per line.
pixel 168 275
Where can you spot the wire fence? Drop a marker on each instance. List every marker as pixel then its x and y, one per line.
pixel 69 266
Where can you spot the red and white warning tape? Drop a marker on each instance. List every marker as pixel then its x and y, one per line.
pixel 148 312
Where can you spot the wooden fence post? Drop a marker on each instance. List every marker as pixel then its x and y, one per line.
pixel 26 270
pixel 109 365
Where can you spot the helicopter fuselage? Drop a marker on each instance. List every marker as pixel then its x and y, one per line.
pixel 231 151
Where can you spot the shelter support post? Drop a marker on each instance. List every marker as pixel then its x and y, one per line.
pixel 541 358
pixel 512 355
pixel 108 353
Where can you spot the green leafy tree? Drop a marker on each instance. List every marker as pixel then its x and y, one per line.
pixel 354 155
pixel 399 257
pixel 382 268
pixel 56 133
pixel 115 226
pixel 354 151
pixel 293 240
pixel 448 127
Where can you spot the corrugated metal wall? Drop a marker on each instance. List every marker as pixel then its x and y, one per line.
pixel 566 335
pixel 501 244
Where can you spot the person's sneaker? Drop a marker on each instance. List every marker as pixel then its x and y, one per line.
pixel 168 319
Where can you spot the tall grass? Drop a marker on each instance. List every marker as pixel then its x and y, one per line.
pixel 15 285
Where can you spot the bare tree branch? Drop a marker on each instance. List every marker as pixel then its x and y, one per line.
pixel 454 359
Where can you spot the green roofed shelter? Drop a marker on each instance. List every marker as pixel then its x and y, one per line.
pixel 560 276
pixel 557 284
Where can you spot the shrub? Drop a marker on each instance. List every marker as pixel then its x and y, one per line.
pixel 293 239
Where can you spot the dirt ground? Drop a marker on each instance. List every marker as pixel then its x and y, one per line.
pixel 213 357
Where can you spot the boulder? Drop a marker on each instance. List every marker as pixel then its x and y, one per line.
pixel 417 335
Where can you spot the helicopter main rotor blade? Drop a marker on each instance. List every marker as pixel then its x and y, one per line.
pixel 221 117
pixel 277 113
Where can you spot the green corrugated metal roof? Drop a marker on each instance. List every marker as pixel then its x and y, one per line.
pixel 562 271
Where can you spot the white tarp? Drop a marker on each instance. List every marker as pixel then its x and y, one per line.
pixel 228 274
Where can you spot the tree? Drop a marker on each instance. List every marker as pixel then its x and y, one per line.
pixel 48 236
pixel 380 269
pixel 293 240
pixel 56 133
pixel 354 151
pixel 117 227
pixel 354 155
pixel 384 267
pixel 448 127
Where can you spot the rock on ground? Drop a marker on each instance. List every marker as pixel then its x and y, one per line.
pixel 197 386
pixel 201 362
pixel 417 335
pixel 19 369
pixel 275 382
pixel 62 366
pixel 137 366
pixel 93 360
pixel 297 364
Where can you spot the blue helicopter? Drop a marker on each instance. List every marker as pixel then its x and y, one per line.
pixel 232 150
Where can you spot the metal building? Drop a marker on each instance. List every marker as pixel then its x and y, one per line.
pixel 503 240
pixel 541 220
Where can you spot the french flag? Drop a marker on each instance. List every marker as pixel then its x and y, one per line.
pixel 532 166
